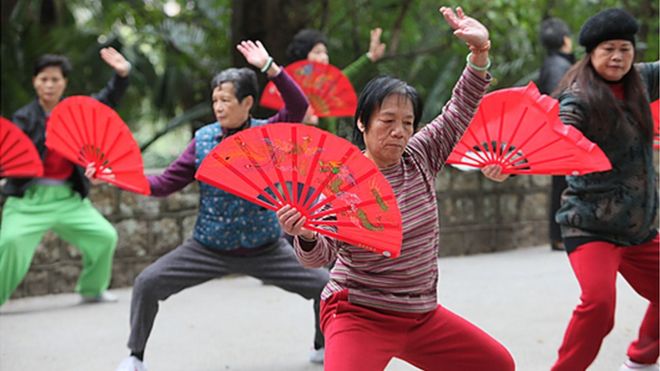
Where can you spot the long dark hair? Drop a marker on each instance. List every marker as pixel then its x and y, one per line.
pixel 583 79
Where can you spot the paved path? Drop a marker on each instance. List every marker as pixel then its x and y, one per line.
pixel 523 297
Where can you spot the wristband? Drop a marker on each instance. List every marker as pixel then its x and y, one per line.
pixel 475 67
pixel 269 62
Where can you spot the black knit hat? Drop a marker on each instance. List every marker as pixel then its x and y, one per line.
pixel 609 24
pixel 303 43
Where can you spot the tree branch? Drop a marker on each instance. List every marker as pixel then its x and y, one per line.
pixel 325 13
pixel 396 32
pixel 196 112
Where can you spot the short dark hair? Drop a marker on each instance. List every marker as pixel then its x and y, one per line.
pixel 303 43
pixel 52 60
pixel 553 31
pixel 372 97
pixel 243 79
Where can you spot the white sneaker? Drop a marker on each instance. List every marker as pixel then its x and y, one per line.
pixel 634 366
pixel 104 297
pixel 131 364
pixel 317 356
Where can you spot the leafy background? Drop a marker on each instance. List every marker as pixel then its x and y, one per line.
pixel 176 46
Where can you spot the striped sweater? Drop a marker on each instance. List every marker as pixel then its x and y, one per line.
pixel 409 282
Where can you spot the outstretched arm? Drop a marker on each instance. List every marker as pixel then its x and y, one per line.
pixel 376 47
pixel 295 102
pixel 116 87
pixel 116 60
pixel 472 32
pixel 435 141
pixel 362 69
pixel 257 55
pixel 177 176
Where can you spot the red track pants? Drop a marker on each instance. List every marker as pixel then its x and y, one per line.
pixel 595 265
pixel 363 339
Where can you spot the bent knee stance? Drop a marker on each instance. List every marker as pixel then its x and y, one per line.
pixel 600 310
pixel 502 360
pixel 148 285
pixel 108 234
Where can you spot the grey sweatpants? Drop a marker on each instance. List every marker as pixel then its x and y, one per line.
pixel 191 264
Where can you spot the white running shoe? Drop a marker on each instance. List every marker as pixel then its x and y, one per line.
pixel 104 297
pixel 317 356
pixel 131 364
pixel 634 366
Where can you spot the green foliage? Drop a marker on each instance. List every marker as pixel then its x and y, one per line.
pixel 174 57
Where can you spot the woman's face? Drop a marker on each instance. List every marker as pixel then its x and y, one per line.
pixel 49 85
pixel 612 59
pixel 229 112
pixel 319 54
pixel 390 128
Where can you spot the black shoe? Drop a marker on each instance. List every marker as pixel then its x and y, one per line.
pixel 557 246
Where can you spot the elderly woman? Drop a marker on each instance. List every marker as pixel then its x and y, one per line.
pixel 312 45
pixel 607 219
pixel 375 308
pixel 230 235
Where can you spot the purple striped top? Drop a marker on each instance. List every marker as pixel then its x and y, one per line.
pixel 409 282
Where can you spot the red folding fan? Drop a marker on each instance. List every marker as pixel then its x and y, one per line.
pixel 655 112
pixel 520 130
pixel 18 155
pixel 329 91
pixel 323 176
pixel 85 130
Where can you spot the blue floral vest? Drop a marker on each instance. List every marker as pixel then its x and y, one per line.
pixel 226 222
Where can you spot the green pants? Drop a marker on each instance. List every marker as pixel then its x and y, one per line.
pixel 26 219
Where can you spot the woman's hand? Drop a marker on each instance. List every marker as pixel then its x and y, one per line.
pixel 116 60
pixel 494 173
pixel 466 28
pixel 310 117
pixel 90 173
pixel 376 48
pixel 292 221
pixel 474 34
pixel 256 55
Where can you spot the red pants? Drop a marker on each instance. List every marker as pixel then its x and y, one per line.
pixel 595 265
pixel 364 339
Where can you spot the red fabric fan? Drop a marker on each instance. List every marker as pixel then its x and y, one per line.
pixel 85 130
pixel 329 91
pixel 18 155
pixel 520 130
pixel 655 112
pixel 323 176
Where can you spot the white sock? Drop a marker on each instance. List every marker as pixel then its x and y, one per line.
pixel 634 365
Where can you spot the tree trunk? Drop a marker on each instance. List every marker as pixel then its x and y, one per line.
pixel 273 22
